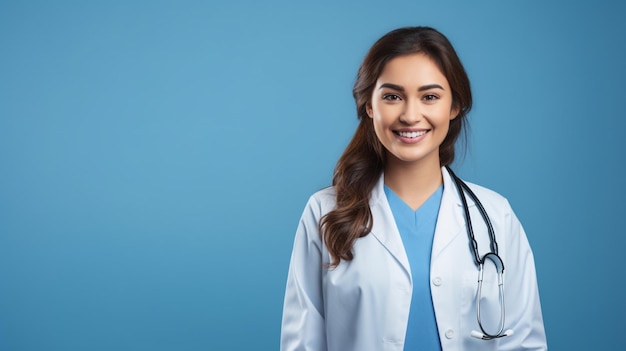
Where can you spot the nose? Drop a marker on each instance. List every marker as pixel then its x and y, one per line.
pixel 412 112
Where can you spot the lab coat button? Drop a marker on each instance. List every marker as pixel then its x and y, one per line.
pixel 437 281
pixel 449 333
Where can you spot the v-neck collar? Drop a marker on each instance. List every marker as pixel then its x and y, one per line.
pixel 405 208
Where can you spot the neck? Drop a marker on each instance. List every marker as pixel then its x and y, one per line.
pixel 414 182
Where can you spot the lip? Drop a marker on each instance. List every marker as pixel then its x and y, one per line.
pixel 410 136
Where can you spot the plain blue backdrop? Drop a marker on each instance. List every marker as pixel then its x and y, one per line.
pixel 155 157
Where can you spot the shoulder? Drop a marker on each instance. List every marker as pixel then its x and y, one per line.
pixel 327 194
pixel 487 194
pixel 495 204
pixel 322 201
pixel 318 205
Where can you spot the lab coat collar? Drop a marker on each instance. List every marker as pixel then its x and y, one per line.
pixel 449 221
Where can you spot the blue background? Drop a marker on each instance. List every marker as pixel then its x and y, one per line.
pixel 155 158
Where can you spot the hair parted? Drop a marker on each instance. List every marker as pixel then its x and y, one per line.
pixel 363 160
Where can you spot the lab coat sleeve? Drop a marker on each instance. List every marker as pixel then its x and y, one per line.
pixel 303 325
pixel 523 309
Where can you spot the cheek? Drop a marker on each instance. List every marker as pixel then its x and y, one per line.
pixel 445 126
pixel 382 115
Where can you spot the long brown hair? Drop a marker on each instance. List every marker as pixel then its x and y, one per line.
pixel 363 161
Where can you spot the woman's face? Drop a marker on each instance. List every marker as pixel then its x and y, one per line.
pixel 411 108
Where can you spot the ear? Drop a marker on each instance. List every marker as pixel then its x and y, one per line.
pixel 368 109
pixel 454 112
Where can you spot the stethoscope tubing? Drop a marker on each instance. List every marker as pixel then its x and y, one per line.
pixel 492 256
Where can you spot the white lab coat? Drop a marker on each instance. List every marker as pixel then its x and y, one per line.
pixel 363 304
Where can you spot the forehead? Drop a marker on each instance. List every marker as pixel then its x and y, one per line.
pixel 414 69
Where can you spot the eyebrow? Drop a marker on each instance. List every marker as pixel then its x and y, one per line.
pixel 400 88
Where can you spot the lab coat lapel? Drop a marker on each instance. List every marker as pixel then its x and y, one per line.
pixel 384 227
pixel 450 221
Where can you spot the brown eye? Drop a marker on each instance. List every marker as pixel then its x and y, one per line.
pixel 391 97
pixel 430 97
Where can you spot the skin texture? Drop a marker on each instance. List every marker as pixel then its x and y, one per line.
pixel 412 95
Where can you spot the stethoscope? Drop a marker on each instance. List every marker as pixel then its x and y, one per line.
pixel 492 256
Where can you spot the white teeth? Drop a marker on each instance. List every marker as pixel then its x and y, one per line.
pixel 411 134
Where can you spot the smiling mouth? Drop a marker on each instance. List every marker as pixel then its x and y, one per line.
pixel 411 134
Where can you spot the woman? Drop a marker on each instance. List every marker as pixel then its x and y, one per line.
pixel 382 260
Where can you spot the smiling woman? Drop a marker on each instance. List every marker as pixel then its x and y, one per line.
pixel 379 260
pixel 411 108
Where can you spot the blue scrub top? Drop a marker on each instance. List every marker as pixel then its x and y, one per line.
pixel 417 229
